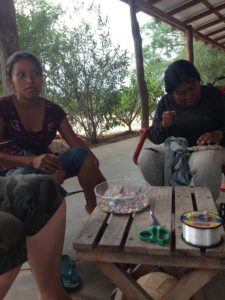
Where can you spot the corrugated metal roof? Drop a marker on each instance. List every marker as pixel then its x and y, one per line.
pixel 206 17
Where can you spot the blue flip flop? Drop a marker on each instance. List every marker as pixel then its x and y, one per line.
pixel 70 279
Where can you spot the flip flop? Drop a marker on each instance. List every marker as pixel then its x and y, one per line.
pixel 70 279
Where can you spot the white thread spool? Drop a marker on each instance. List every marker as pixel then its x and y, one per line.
pixel 201 228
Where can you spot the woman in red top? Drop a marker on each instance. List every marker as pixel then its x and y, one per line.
pixel 32 122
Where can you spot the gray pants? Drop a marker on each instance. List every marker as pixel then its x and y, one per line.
pixel 205 166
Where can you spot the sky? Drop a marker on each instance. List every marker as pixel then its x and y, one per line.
pixel 119 20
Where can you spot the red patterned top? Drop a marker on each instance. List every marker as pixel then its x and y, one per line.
pixel 35 142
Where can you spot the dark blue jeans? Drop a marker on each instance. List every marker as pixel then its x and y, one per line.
pixel 71 160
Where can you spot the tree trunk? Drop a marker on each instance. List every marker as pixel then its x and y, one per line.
pixel 9 39
pixel 130 127
pixel 143 91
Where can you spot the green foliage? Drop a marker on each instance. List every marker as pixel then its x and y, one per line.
pixel 210 62
pixel 155 92
pixel 128 107
pixel 38 26
pixel 91 74
pixel 162 43
pixel 84 71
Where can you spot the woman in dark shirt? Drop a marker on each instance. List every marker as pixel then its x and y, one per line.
pixel 193 112
pixel 32 122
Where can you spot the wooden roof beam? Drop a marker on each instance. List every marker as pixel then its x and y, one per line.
pixel 216 31
pixel 189 44
pixel 155 12
pixel 210 24
pixel 205 14
pixel 219 38
pixel 149 9
pixel 183 7
pixel 207 4
pixel 208 40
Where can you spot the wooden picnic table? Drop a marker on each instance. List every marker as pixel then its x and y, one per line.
pixel 112 240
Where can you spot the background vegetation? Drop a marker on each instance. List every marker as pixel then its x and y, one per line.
pixel 89 76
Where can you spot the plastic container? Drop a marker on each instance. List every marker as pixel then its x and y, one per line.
pixel 122 196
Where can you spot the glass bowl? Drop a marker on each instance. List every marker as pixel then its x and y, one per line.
pixel 122 196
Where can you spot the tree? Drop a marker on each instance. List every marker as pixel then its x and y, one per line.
pixel 142 86
pixel 9 41
pixel 39 28
pixel 209 62
pixel 88 75
pixel 162 44
pixel 155 91
pixel 128 107
pixel 84 71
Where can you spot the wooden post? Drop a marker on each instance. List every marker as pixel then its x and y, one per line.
pixel 143 91
pixel 9 40
pixel 189 38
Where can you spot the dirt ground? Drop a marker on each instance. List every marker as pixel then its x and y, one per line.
pixel 113 137
pixel 59 146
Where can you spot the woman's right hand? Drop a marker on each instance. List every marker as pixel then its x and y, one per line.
pixel 167 118
pixel 47 163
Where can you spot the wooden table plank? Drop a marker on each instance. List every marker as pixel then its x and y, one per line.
pixel 91 230
pixel 173 260
pixel 203 196
pixel 163 206
pixel 218 251
pixel 113 235
pixel 162 213
pixel 204 199
pixel 133 243
pixel 183 203
pixel 140 222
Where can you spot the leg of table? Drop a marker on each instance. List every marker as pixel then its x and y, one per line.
pixel 190 284
pixel 123 281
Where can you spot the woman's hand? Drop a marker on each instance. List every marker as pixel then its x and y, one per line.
pixel 167 118
pixel 47 163
pixel 210 138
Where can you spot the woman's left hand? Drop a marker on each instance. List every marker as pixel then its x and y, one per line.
pixel 210 138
